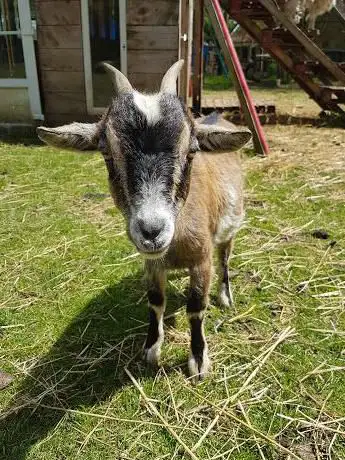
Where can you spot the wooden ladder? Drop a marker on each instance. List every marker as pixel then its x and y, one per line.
pixel 316 73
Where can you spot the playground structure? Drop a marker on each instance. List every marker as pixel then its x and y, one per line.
pixel 295 49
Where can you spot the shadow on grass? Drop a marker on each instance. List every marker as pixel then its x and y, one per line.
pixel 83 368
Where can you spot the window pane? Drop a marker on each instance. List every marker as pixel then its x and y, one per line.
pixel 105 46
pixel 11 57
pixel 9 17
pixel 11 49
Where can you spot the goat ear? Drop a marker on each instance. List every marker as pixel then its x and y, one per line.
pixel 79 136
pixel 222 136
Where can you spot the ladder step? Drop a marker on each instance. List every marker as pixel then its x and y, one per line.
pixel 335 89
pixel 285 36
pixel 257 15
pixel 338 91
pixel 315 66
pixel 296 53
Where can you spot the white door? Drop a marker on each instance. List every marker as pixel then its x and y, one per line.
pixel 17 53
pixel 104 39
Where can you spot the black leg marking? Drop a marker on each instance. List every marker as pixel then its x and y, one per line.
pixel 195 302
pixel 225 270
pixel 225 294
pixel 152 333
pixel 198 362
pixel 155 297
pixel 197 340
pixel 155 333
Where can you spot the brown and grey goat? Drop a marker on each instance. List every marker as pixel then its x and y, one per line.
pixel 178 203
pixel 295 10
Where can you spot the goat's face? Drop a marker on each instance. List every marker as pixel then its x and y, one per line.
pixel 148 142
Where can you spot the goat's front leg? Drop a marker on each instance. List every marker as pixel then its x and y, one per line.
pixel 156 277
pixel 225 296
pixel 200 277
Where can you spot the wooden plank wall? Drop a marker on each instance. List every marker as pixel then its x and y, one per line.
pixel 152 40
pixel 60 60
pixel 152 46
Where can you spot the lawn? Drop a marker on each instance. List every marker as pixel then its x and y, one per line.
pixel 73 317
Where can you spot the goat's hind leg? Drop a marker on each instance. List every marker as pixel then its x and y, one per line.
pixel 225 296
pixel 200 277
pixel 156 278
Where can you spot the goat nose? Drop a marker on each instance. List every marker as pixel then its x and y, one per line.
pixel 150 229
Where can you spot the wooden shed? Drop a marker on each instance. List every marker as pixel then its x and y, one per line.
pixel 51 50
pixel 141 38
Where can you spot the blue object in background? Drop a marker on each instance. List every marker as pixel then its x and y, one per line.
pixel 205 50
pixel 114 29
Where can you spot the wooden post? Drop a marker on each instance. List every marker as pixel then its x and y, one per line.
pixel 223 36
pixel 198 44
pixel 185 46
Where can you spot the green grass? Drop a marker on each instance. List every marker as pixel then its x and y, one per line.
pixel 217 82
pixel 73 316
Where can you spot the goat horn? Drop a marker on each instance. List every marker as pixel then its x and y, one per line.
pixel 120 82
pixel 168 84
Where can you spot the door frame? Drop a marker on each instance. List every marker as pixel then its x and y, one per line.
pixel 91 109
pixel 31 80
pixel 186 11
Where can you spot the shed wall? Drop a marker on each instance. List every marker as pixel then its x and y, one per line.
pixel 152 46
pixel 152 40
pixel 60 60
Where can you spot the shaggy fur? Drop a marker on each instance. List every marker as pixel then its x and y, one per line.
pixel 179 203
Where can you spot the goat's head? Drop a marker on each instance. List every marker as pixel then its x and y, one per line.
pixel 148 142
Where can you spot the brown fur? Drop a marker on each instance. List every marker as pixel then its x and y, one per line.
pixel 208 196
pixel 192 248
pixel 197 222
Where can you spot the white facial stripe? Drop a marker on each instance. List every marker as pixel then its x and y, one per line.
pixel 152 191
pixel 148 104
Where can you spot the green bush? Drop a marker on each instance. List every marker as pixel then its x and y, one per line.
pixel 217 82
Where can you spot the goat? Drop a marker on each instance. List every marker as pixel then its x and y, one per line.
pixel 178 203
pixel 312 9
pixel 294 9
pixel 317 8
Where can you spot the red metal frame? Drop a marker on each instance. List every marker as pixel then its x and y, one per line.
pixel 240 77
pixel 293 49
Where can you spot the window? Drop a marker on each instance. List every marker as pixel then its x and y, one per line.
pixel 104 39
pixel 18 72
pixel 11 47
pixel 105 46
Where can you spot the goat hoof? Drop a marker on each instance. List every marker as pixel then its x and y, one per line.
pixel 225 297
pixel 152 356
pixel 198 367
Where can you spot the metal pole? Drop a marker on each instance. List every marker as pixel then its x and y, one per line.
pixel 232 61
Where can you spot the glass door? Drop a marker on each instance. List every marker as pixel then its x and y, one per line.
pixel 17 57
pixel 104 39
